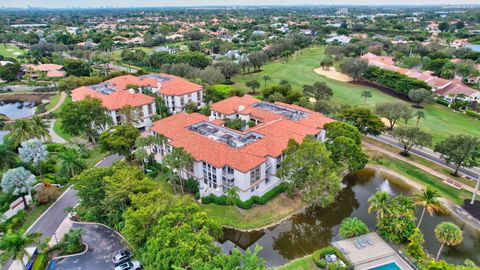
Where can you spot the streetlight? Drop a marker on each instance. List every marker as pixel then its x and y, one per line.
pixel 472 202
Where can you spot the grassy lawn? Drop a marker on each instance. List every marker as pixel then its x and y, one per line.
pixel 255 217
pixel 34 214
pixel 305 263
pixel 410 171
pixel 57 127
pixel 95 156
pixel 9 51
pixel 258 216
pixel 53 101
pixel 439 120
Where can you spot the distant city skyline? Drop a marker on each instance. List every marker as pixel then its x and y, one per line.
pixel 165 3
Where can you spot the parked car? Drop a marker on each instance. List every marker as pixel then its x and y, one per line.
pixel 121 257
pixel 130 265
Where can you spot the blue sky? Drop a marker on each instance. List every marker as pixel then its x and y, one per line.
pixel 140 3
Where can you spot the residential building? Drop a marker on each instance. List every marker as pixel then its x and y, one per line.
pixel 247 159
pixel 448 89
pixel 114 96
pixel 50 70
pixel 342 39
pixel 177 92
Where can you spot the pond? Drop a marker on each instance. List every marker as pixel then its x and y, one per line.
pixel 15 110
pixel 316 227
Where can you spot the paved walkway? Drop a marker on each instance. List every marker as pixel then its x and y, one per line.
pixel 63 96
pixel 55 137
pixel 413 163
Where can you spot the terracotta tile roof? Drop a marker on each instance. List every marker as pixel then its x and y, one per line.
pixel 277 131
pixel 457 88
pixel 44 67
pixel 121 82
pixel 55 73
pixel 115 100
pixel 230 105
pixel 178 86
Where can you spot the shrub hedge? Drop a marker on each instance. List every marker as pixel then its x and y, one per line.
pixel 472 114
pixel 443 102
pixel 222 200
pixel 319 255
pixel 394 80
pixel 40 262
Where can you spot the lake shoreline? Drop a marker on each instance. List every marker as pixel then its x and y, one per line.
pixel 453 209
pixel 26 97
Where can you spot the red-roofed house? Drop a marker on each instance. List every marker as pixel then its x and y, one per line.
pixel 176 91
pixel 114 97
pixel 50 70
pixel 247 159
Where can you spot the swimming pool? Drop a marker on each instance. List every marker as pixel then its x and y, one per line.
pixel 388 266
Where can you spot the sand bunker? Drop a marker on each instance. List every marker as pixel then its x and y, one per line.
pixel 332 74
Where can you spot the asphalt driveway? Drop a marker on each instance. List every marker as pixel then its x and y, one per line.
pixel 102 243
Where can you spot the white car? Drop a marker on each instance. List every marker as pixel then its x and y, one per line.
pixel 121 257
pixel 130 265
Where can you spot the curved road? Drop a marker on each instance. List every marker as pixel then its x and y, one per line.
pixel 428 154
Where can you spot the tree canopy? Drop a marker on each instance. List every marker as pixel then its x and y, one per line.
pixel 308 166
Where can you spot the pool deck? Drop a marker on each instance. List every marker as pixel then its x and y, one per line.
pixel 372 252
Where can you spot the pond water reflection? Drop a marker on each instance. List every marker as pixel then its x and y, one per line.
pixel 315 228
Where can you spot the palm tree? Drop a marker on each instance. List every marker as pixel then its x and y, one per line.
pixel 179 160
pixel 40 128
pixel 13 245
pixel 448 234
pixel 71 164
pixel 404 205
pixel 265 79
pixel 141 156
pixel 351 227
pixel 366 94
pixel 7 156
pixel 20 131
pixel 233 197
pixel 428 199
pixel 419 114
pixel 380 203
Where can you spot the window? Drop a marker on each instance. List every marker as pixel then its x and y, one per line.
pixel 182 101
pixel 209 175
pixel 150 109
pixel 199 95
pixel 279 160
pixel 254 175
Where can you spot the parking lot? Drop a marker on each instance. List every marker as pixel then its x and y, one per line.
pixel 102 243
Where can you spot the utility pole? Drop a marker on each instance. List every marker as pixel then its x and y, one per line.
pixel 475 192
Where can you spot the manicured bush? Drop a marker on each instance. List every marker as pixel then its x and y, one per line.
pixel 247 204
pixel 222 200
pixel 319 258
pixel 472 114
pixel 40 262
pixel 271 194
pixel 443 102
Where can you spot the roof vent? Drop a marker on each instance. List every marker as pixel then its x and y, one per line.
pixel 241 108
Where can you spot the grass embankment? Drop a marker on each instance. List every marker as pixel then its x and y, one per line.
pixel 258 216
pixel 57 126
pixel 305 263
pixel 435 166
pixel 34 214
pixel 53 101
pixel 413 173
pixel 11 51
pixel 439 120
